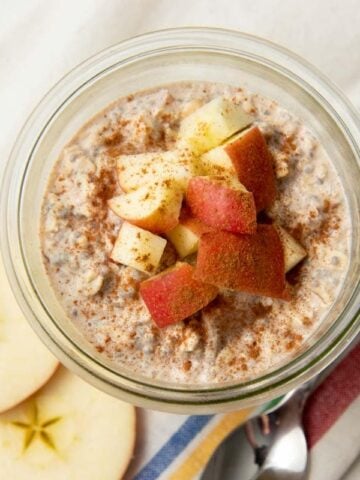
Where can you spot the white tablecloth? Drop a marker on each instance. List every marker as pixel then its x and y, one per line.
pixel 40 40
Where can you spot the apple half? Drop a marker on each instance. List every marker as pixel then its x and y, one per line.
pixel 223 203
pixel 25 363
pixel 174 294
pixel 67 430
pixel 247 263
pixel 208 126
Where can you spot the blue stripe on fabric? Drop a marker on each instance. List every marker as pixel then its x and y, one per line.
pixel 173 447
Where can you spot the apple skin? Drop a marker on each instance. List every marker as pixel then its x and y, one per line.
pixel 174 294
pixel 220 205
pixel 254 166
pixel 246 263
pixel 192 223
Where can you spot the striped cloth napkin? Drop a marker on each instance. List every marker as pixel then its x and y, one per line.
pixel 177 447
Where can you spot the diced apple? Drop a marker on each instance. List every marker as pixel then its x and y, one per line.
pixel 223 203
pixel 196 226
pixel 247 263
pixel 184 240
pixel 253 164
pixel 134 171
pixel 174 294
pixel 217 161
pixel 138 248
pixel 293 251
pixel 185 236
pixel 211 124
pixel 154 208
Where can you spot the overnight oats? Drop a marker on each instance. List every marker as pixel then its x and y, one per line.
pixel 196 233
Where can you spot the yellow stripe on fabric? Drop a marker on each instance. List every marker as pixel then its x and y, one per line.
pixel 199 457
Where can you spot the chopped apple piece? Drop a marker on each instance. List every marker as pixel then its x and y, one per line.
pixel 184 240
pixel 223 203
pixel 217 161
pixel 293 251
pixel 154 208
pixel 185 236
pixel 247 263
pixel 174 294
pixel 138 248
pixel 211 124
pixel 134 171
pixel 253 163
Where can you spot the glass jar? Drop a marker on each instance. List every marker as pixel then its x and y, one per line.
pixel 139 63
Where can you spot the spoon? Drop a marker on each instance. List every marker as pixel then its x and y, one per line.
pixel 287 456
pixel 277 440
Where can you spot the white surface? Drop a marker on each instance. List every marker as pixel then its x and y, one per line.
pixel 40 40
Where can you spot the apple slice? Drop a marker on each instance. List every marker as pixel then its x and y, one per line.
pixel 211 124
pixel 293 251
pixel 68 430
pixel 154 208
pixel 25 363
pixel 254 166
pixel 222 203
pixel 138 248
pixel 134 171
pixel 248 263
pixel 185 236
pixel 174 294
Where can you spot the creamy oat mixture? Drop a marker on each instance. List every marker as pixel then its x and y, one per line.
pixel 237 336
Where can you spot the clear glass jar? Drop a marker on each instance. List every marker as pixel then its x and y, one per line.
pixel 144 62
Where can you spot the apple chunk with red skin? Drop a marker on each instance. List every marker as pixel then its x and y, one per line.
pixel 223 203
pixel 253 163
pixel 249 156
pixel 247 263
pixel 174 294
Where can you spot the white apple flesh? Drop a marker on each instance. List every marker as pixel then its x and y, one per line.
pixel 217 161
pixel 211 124
pixel 184 240
pixel 135 171
pixel 138 248
pixel 154 208
pixel 294 253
